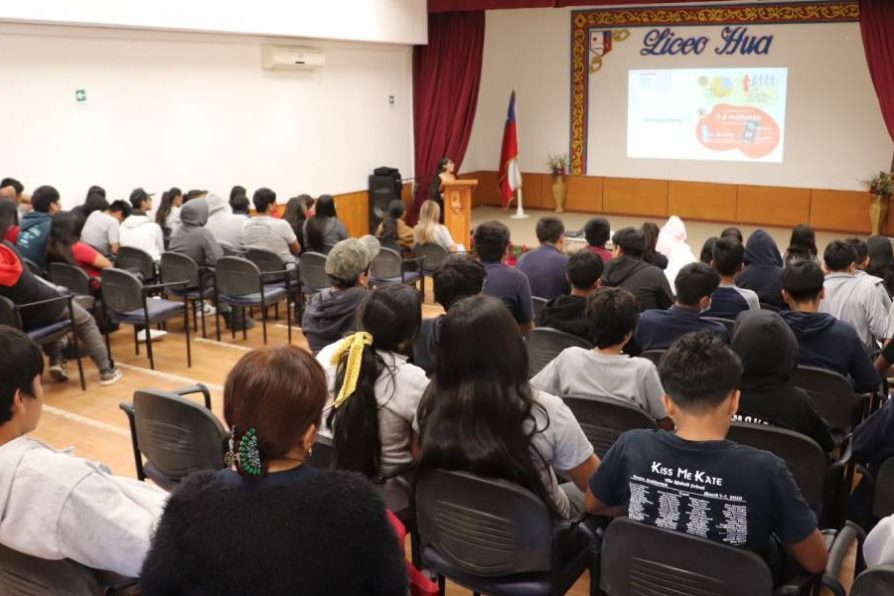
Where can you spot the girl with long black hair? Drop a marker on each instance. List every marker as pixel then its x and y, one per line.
pixel 324 230
pixel 168 214
pixel 480 414
pixel 64 246
pixel 376 391
pixel 393 232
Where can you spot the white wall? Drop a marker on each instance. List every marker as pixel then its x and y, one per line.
pixel 391 21
pixel 834 130
pixel 196 110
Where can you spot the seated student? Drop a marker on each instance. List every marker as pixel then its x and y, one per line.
pixel 22 287
pixel 763 269
pixel 861 272
pixel 881 260
pixel 628 270
pixel 192 238
pixel 769 353
pixel 330 313
pixel 510 285
pixel 849 299
pixel 393 232
pixel 878 547
pixel 658 329
pixel 15 190
pixel 265 232
pixel 480 414
pixel 732 232
pixel 324 230
pixel 139 230
pixel 168 213
pixel 63 246
pixel 568 312
pixel 94 201
pixel 460 277
pixel 802 246
pixel 597 231
pixel 101 228
pixel 545 266
pixel 728 300
pixel 296 214
pixel 240 206
pixel 54 505
pixel 429 230
pixel 34 228
pixel 274 524
pixel 672 242
pixel 648 475
pixel 707 253
pixel 226 227
pixel 823 340
pixel 604 371
pixel 873 445
pixel 369 378
pixel 651 232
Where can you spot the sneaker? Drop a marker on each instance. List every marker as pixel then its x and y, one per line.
pixel 209 310
pixel 155 334
pixel 59 372
pixel 110 376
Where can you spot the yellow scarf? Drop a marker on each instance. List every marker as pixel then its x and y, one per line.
pixel 353 345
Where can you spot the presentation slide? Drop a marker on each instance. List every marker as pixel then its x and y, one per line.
pixel 717 114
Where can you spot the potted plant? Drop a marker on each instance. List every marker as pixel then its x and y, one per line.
pixel 881 187
pixel 558 165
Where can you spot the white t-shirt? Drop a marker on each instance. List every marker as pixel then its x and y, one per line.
pixel 878 549
pixel 577 371
pixel 441 237
pixel 268 233
pixel 398 391
pixel 100 231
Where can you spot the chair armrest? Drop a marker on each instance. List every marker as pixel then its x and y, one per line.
pixel 845 457
pixel 128 409
pixel 67 297
pixel 171 284
pixel 122 587
pixel 796 585
pixel 413 259
pixel 839 549
pixel 197 388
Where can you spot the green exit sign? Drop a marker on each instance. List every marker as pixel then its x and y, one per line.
pixel 80 95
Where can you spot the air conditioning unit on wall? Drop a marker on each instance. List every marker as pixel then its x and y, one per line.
pixel 292 58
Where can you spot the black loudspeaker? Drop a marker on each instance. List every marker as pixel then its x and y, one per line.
pixel 384 187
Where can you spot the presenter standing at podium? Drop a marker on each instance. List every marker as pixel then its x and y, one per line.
pixel 445 174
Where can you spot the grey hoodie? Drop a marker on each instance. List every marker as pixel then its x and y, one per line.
pixel 192 238
pixel 223 224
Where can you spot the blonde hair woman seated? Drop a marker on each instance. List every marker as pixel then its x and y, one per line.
pixel 429 231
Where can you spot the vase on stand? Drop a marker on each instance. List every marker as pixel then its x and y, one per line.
pixel 878 213
pixel 560 191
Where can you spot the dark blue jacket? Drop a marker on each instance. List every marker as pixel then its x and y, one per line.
pixel 34 231
pixel 658 329
pixel 545 269
pixel 826 342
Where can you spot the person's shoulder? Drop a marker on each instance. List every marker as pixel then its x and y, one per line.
pixel 324 356
pixel 652 315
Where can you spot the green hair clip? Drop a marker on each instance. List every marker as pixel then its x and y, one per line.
pixel 249 457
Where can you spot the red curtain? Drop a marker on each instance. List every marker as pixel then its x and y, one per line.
pixel 877 26
pixel 446 75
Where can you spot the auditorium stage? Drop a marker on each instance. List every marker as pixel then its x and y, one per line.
pixel 698 231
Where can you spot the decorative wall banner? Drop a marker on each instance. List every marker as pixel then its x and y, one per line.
pixel 594 31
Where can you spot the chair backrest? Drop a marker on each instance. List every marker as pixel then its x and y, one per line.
pixel 544 344
pixel 312 270
pixel 33 267
pixel 266 261
pixel 8 314
pixel 176 435
pixel 121 290
pixel 654 356
pixel 136 260
pixel 484 526
pixel 604 419
pixel 728 323
pixel 832 394
pixel 237 276
pixel 71 277
pixel 24 575
pixel 770 307
pixel 179 268
pixel 387 264
pixel 803 456
pixel 539 303
pixel 883 500
pixel 434 256
pixel 875 581
pixel 642 560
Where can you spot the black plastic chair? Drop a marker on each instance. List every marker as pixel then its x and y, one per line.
pixel 34 268
pixel 239 283
pixel 545 343
pixel 25 575
pixel 72 278
pixel 642 560
pixel 495 537
pixel 433 257
pixel 770 307
pixel 604 419
pixel 123 294
pixel 834 398
pixel 390 268
pixel 538 303
pixel 654 356
pixel 137 261
pixel 728 323
pixel 182 268
pixel 231 251
pixel 312 270
pixel 875 581
pixel 11 314
pixel 176 435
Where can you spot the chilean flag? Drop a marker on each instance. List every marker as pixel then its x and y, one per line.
pixel 509 175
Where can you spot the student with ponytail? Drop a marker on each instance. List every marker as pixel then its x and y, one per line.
pixel 375 389
pixel 168 214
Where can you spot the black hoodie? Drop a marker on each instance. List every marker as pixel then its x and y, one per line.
pixel 769 353
pixel 568 314
pixel 647 282
pixel 828 343
pixel 763 269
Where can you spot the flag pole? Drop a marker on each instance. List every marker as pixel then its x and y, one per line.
pixel 519 207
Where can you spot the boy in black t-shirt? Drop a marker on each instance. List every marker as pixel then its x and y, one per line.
pixel 697 482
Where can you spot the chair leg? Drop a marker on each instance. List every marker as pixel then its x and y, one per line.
pixel 109 350
pixel 136 341
pixel 288 318
pixel 204 335
pixel 233 327
pixel 442 585
pixel 149 347
pixel 186 325
pixel 264 319
pixel 195 313
pixel 244 327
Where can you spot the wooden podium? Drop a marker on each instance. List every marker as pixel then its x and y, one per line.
pixel 458 210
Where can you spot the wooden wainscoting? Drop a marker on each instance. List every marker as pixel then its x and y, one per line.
pixel 828 210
